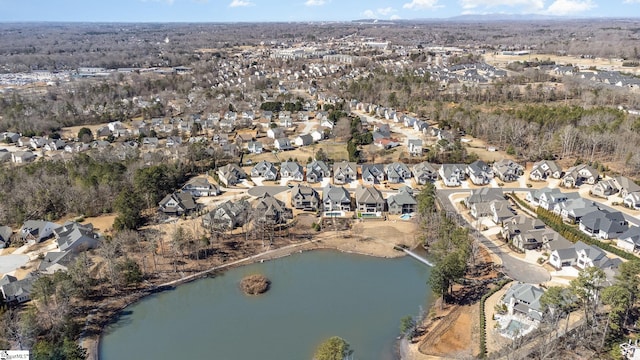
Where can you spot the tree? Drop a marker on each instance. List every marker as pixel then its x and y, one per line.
pixel 407 326
pixel 130 271
pixel 586 287
pixel 334 348
pixel 128 205
pixel 85 135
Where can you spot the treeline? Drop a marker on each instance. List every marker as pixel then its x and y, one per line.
pixel 51 189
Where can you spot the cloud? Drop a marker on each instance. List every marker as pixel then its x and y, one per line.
pixel 527 5
pixel 379 12
pixel 395 17
pixel 240 3
pixel 315 2
pixel 569 7
pixel 422 4
pixel 369 14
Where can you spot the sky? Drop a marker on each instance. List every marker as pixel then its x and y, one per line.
pixel 297 10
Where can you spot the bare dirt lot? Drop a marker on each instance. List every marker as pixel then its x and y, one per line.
pixel 583 63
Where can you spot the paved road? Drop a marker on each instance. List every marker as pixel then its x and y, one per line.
pixel 9 263
pixel 258 191
pixel 513 267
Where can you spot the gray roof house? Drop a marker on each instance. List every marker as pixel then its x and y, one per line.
pixel 578 175
pixel 231 174
pixel 483 195
pixel 5 236
pixel 21 157
pixel 34 231
pixel 178 203
pixel 369 199
pixel 507 170
pixel 541 170
pixel 452 174
pixel 317 170
pixel 255 147
pixel 625 185
pixel 303 140
pixel 588 256
pixel 336 198
pixel 372 174
pixel 574 209
pixel 16 291
pixel 424 172
pixel 57 261
pixel 524 299
pixel 403 202
pixel 520 224
pixel 73 236
pixel 479 172
pixel 415 147
pixel 344 172
pixel 632 200
pixel 305 197
pixel 604 224
pixel 265 169
pixel 282 144
pixel 619 184
pixel 547 198
pixel 227 215
pixel 291 170
pixel 397 172
pixel 270 210
pixel 630 239
pixel 200 186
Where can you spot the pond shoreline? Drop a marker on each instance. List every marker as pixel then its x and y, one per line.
pixel 345 245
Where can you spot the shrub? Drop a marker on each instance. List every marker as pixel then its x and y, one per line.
pixel 255 284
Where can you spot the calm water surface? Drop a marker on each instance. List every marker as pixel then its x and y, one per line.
pixel 314 295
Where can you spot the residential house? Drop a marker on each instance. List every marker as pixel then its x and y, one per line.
pixel 589 256
pixel 76 237
pixel 270 210
pixel 573 210
pixel 57 261
pixel 479 172
pixel 54 144
pixel 5 155
pixel 200 186
pixel 37 142
pixel 174 141
pixel 151 142
pixel 625 185
pixel 507 170
pixel 336 198
pixel 317 170
pixel 424 172
pixel 518 225
pixel 344 172
pixel 22 157
pixel 483 195
pixel 275 133
pixel 10 137
pixel 266 170
pixel 531 239
pixel 632 200
pixel 421 126
pixel 282 144
pixel 630 239
pixel 373 174
pixel 500 211
pixel 16 291
pixel 415 147
pixel 551 241
pixel 524 299
pixel 317 135
pixel 369 199
pixel 291 170
pixel 452 174
pixel 23 141
pixel 547 198
pixel 544 169
pixel 563 257
pixel 403 202
pixel 603 224
pixel 578 175
pixel 397 172
pixel 5 236
pixel 228 215
pixel 255 147
pixel 303 140
pixel 305 197
pixel 178 203
pixel 34 231
pixel 231 174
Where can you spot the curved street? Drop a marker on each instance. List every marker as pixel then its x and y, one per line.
pixel 513 267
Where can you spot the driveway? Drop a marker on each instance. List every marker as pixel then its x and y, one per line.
pixel 12 262
pixel 513 267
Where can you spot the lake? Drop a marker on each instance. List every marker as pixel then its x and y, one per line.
pixel 313 295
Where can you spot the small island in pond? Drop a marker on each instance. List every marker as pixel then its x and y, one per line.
pixel 255 284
